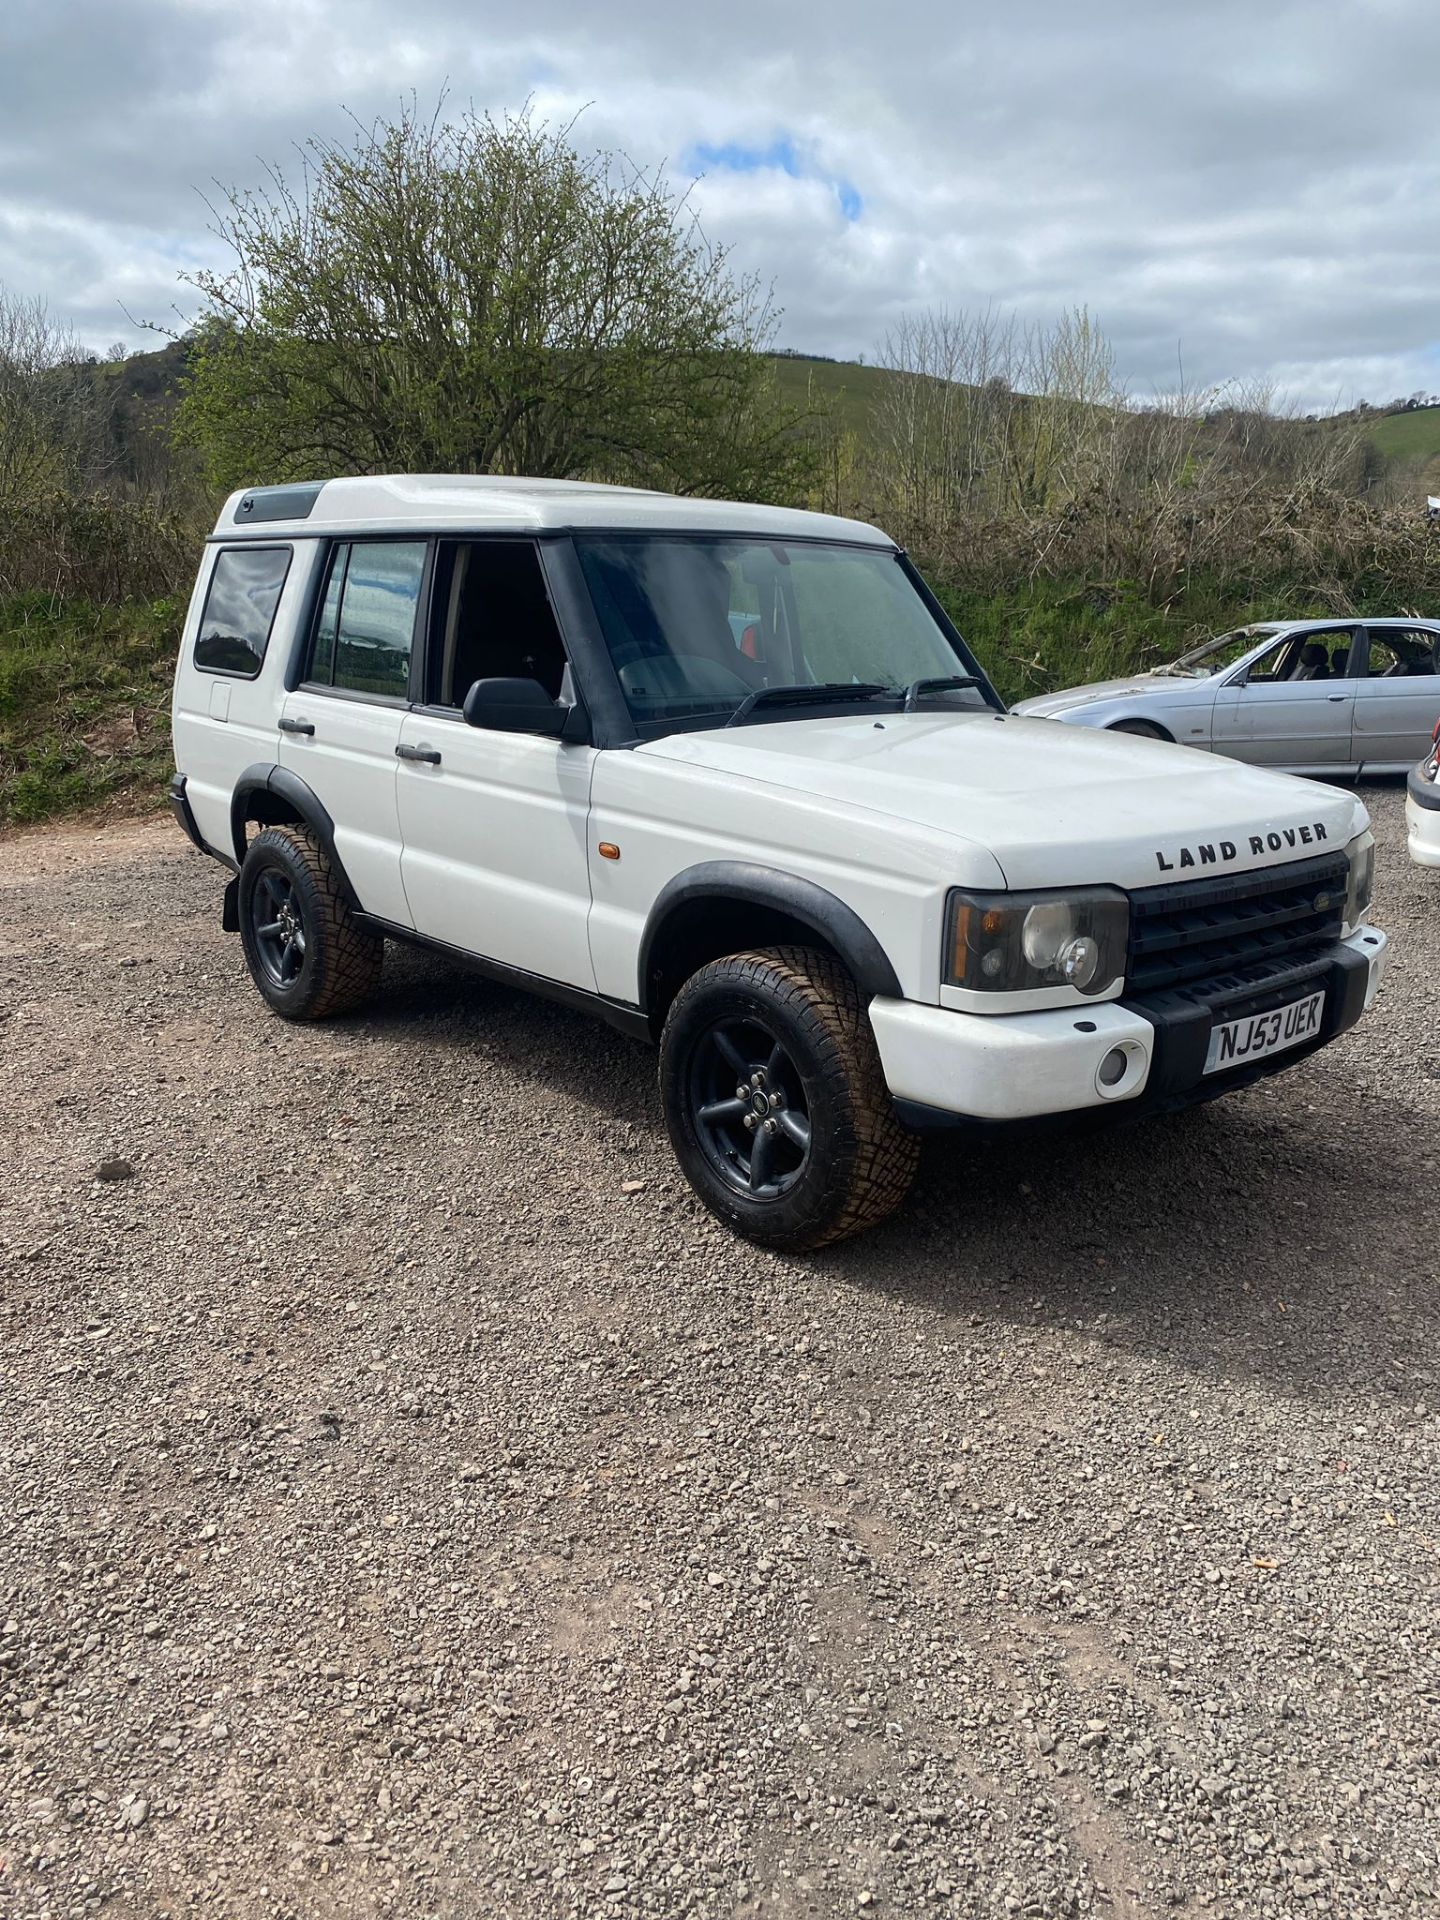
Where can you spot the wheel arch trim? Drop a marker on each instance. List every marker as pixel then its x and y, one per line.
pixel 265 777
pixel 744 883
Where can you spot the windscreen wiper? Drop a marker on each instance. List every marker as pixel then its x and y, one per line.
pixel 947 683
pixel 804 694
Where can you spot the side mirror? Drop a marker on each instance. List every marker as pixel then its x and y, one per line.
pixel 514 706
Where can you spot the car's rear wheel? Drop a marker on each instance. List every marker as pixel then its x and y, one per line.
pixel 776 1103
pixel 305 953
pixel 1142 729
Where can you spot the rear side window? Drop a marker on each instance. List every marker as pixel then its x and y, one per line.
pixel 366 625
pixel 240 608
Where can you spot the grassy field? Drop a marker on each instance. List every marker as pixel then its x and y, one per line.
pixel 84 704
pixel 1409 436
pixel 851 389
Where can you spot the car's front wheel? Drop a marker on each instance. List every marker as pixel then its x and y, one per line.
pixel 776 1102
pixel 305 953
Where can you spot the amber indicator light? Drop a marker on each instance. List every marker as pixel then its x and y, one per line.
pixel 608 850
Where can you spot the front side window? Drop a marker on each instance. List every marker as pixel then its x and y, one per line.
pixel 1276 663
pixel 365 629
pixel 240 605
pixel 694 627
pixel 491 618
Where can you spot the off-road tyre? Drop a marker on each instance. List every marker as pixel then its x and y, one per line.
pixel 339 968
pixel 1142 730
pixel 859 1163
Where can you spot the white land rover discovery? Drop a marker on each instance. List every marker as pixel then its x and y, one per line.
pixel 728 776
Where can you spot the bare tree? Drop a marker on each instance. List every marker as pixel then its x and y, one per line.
pixel 51 415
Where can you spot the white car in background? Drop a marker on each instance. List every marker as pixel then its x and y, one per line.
pixel 1422 807
pixel 1330 697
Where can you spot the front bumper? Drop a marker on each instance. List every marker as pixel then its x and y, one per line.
pixel 1422 819
pixel 945 1068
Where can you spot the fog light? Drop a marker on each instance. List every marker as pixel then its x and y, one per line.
pixel 1112 1067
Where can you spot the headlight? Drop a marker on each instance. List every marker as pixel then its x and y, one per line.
pixel 1018 942
pixel 1361 852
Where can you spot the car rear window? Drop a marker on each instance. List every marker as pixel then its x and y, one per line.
pixel 240 605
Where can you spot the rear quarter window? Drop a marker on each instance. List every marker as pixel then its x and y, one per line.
pixel 239 612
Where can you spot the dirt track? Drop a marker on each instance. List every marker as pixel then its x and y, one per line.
pixel 399 1518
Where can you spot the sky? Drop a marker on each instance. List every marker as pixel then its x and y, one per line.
pixel 1236 189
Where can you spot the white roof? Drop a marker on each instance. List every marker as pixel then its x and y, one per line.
pixel 492 503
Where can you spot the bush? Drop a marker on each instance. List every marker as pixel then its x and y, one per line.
pixel 84 702
pixel 94 548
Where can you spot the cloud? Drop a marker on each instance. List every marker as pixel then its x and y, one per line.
pixel 1247 191
pixel 783 156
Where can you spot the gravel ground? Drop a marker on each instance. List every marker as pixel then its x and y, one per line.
pixel 404 1516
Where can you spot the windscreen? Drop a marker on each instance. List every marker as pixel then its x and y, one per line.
pixel 694 627
pixel 1214 656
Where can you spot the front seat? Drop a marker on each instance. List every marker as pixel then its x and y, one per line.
pixel 1314 662
pixel 1340 664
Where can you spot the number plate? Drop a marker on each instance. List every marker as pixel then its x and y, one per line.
pixel 1238 1042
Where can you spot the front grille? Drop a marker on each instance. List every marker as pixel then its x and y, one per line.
pixel 1235 935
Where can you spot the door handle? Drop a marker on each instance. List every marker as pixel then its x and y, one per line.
pixel 1336 698
pixel 287 725
pixel 428 754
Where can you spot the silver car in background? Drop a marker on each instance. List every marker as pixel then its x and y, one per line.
pixel 1306 696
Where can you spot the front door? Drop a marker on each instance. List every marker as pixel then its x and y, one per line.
pixel 1293 707
pixel 1397 699
pixel 494 824
pixel 340 727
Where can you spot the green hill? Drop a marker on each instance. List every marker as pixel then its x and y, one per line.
pixel 851 389
pixel 1410 444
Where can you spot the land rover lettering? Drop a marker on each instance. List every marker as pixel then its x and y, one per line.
pixel 1211 853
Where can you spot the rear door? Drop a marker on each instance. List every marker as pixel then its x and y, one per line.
pixel 1397 697
pixel 340 727
pixel 494 824
pixel 1273 717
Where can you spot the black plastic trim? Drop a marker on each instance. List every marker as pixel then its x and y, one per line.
pixel 1182 1024
pixel 266 777
pixel 616 1013
pixel 596 682
pixel 181 809
pixel 739 882
pixel 294 502
pixel 185 817
pixel 1425 793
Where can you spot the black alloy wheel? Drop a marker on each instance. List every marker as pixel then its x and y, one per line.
pixel 776 1102
pixel 278 928
pixel 751 1112
pixel 307 954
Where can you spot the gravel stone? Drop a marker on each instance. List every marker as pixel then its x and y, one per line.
pixel 515 1551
